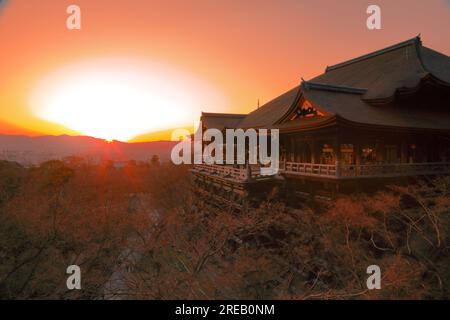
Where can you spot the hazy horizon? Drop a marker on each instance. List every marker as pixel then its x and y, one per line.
pixel 145 67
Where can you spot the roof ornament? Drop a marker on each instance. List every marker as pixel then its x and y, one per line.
pixel 419 39
pixel 304 83
pixel 416 41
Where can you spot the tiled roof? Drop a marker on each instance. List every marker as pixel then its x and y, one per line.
pixel 353 90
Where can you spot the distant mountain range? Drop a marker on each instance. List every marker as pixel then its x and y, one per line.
pixel 34 150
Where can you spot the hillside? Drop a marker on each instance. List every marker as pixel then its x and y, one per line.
pixel 33 150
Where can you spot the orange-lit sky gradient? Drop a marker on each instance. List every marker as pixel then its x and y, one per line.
pixel 221 55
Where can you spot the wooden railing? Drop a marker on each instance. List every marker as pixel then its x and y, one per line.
pixel 244 174
pixel 365 171
pixel 395 170
pixel 308 169
pixel 223 171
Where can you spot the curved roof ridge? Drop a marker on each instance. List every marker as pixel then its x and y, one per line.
pixel 221 120
pixel 332 87
pixel 353 92
pixel 435 63
pixel 416 41
pixel 230 115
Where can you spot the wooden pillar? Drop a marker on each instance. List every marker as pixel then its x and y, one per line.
pixel 248 172
pixel 404 152
pixel 300 149
pixel 313 151
pixel 357 152
pixel 292 153
pixel 432 150
pixel 294 149
pixel 337 153
pixel 284 152
pixel 380 151
pixel 357 155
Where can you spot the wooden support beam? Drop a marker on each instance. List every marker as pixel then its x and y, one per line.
pixel 404 151
pixel 337 152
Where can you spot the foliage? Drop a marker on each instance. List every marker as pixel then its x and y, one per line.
pixel 143 231
pixel 199 251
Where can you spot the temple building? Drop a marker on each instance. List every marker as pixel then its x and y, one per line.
pixel 380 116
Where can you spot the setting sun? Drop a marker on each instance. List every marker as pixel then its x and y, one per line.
pixel 115 100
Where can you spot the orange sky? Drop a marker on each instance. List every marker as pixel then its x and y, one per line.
pixel 244 50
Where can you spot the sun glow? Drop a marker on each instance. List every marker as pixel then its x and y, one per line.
pixel 116 99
